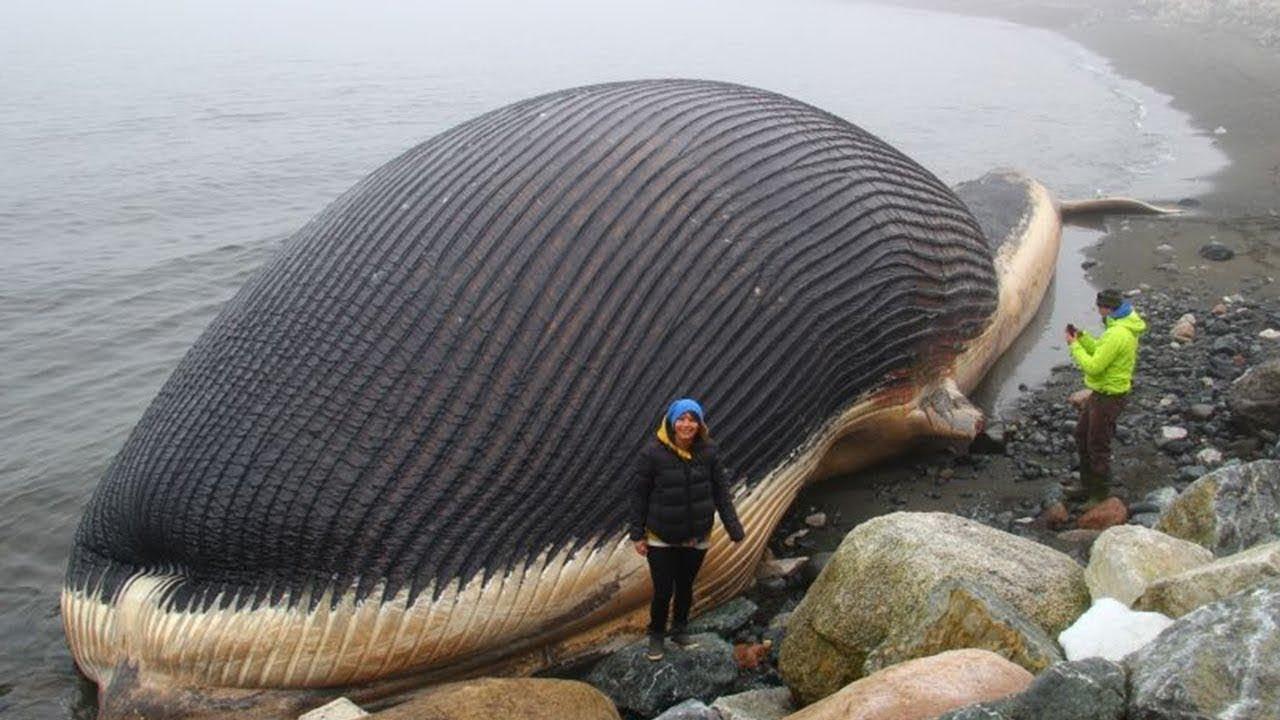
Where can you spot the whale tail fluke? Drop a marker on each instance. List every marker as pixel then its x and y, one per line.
pixel 1112 206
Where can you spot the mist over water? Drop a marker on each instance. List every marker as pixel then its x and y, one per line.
pixel 155 154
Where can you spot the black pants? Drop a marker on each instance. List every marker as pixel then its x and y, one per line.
pixel 672 568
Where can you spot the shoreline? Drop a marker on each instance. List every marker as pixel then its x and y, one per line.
pixel 1222 68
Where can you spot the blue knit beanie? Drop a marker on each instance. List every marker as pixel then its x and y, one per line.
pixel 682 406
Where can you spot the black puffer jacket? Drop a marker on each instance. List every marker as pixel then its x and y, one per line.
pixel 677 499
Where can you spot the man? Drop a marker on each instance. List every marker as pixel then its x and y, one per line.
pixel 1108 363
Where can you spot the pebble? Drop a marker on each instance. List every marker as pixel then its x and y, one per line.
pixel 1216 251
pixel 1201 411
pixel 1270 334
pixel 1170 433
pixel 816 520
pixel 1209 457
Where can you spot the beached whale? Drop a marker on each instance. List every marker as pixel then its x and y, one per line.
pixel 401 452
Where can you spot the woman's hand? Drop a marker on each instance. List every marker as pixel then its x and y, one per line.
pixel 642 547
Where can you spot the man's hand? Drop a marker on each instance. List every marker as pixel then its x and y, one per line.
pixel 1071 337
pixel 642 547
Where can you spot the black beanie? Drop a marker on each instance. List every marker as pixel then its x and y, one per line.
pixel 1110 298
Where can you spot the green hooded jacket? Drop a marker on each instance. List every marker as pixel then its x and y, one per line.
pixel 1108 361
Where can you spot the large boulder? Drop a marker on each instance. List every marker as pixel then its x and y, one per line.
pixel 1125 559
pixel 488 698
pixel 923 688
pixel 905 585
pixel 1228 510
pixel 1254 398
pixel 1179 594
pixel 963 614
pixel 646 687
pixel 1092 689
pixel 1219 661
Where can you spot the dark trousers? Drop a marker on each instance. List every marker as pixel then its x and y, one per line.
pixel 1094 431
pixel 672 568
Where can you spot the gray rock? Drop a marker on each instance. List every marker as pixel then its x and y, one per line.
pixel 1201 411
pixel 1163 497
pixel 1090 689
pixel 1147 519
pixel 725 619
pixel 1225 345
pixel 642 686
pixel 1254 399
pixel 1216 251
pixel 1220 661
pixel 810 570
pixel 690 710
pixel 1191 473
pixel 764 704
pixel 1228 510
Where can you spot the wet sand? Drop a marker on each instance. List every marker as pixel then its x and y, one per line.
pixel 1220 66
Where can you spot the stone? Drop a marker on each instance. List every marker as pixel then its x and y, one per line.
pixel 1229 509
pixel 749 656
pixel 1219 310
pixel 1217 252
pixel 1083 537
pixel 1163 497
pixel 816 520
pixel 1191 473
pixel 923 688
pixel 1184 330
pixel 1089 689
pixel 1225 345
pixel 1108 513
pixel 961 614
pixel 1209 457
pixel 1171 433
pixel 488 698
pixel 1219 661
pixel 691 709
pixel 725 619
pixel 1201 411
pixel 1110 630
pixel 645 687
pixel 1054 516
pixel 1254 398
pixel 340 709
pixel 1146 520
pixel 1125 560
pixel 1270 334
pixel 879 594
pixel 764 704
pixel 1177 595
pixel 785 568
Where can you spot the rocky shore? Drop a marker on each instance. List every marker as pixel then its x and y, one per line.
pixel 1159 602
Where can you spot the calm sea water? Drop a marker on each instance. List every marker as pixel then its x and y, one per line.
pixel 154 154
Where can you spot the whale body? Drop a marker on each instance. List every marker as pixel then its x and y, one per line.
pixel 402 451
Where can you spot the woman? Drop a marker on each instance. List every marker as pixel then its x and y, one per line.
pixel 680 486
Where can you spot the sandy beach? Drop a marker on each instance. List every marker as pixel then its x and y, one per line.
pixel 1220 64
